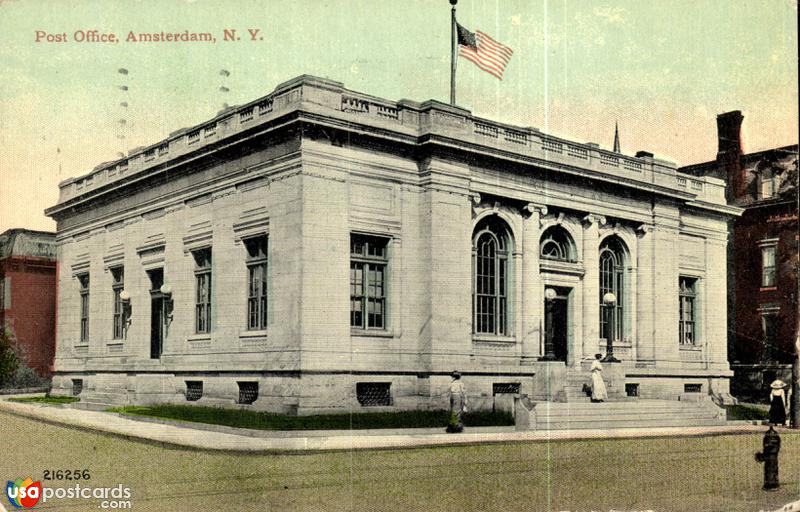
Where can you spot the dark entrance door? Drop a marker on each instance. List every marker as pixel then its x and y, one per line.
pixel 156 313
pixel 560 328
pixel 556 323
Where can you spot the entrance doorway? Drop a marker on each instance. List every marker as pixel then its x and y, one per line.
pixel 157 320
pixel 556 322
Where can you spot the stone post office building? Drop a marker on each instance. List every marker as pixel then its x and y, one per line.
pixel 323 249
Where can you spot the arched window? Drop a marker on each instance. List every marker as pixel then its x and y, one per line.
pixel 491 253
pixel 612 280
pixel 556 244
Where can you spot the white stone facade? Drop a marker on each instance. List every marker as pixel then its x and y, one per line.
pixel 313 166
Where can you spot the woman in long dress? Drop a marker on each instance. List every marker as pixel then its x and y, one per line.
pixel 458 404
pixel 599 393
pixel 777 403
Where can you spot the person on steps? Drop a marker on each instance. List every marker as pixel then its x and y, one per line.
pixel 599 393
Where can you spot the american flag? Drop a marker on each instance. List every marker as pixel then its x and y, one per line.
pixel 483 51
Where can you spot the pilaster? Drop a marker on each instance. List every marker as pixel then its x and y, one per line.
pixel 665 283
pixel 591 284
pixel 714 303
pixel 446 250
pixel 645 295
pixel 532 314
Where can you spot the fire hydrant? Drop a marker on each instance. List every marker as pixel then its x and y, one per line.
pixel 772 445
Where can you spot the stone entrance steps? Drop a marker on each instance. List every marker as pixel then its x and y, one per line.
pixel 576 380
pixel 626 414
pixel 573 387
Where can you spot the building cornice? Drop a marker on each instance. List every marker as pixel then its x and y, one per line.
pixel 308 101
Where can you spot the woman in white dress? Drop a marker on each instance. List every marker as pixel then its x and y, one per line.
pixel 598 386
pixel 777 401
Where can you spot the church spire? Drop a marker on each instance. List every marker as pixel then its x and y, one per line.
pixel 616 138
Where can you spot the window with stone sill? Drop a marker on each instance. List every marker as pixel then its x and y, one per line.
pixel 202 274
pixel 491 280
pixel 687 312
pixel 117 285
pixel 256 283
pixel 369 260
pixel 83 281
pixel 768 265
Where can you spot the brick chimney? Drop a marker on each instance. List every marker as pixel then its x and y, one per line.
pixel 729 154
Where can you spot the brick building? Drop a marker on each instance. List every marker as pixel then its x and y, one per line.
pixel 764 256
pixel 322 249
pixel 28 294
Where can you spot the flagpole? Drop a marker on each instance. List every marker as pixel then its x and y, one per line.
pixel 453 52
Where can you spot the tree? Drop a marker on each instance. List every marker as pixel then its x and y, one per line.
pixel 8 357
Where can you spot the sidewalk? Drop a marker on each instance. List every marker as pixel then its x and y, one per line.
pixel 214 437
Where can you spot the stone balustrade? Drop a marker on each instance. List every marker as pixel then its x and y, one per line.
pixel 432 118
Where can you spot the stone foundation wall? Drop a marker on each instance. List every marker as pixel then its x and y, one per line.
pixel 674 388
pixel 306 394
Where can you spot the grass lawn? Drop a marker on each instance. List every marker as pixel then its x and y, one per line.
pixel 357 421
pixel 709 474
pixel 51 400
pixel 746 412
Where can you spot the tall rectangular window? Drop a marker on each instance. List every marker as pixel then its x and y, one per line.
pixel 687 317
pixel 767 183
pixel 83 279
pixel 117 285
pixel 256 283
pixel 368 262
pixel 770 323
pixel 768 267
pixel 202 276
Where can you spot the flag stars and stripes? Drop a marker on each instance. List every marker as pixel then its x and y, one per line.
pixel 483 51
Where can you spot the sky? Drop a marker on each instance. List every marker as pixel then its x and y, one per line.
pixel 663 70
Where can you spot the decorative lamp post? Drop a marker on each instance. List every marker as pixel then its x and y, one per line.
pixel 125 299
pixel 609 299
pixel 549 349
pixel 166 292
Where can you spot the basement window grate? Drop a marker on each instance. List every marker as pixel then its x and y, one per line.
pixel 77 386
pixel 374 394
pixel 632 389
pixel 194 390
pixel 248 392
pixel 692 388
pixel 505 388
